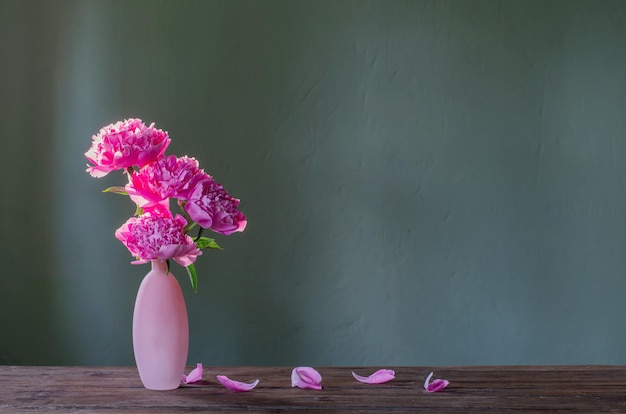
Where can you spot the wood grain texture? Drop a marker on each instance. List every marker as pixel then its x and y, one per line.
pixel 503 389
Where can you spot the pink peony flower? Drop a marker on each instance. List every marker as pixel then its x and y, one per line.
pixel 125 144
pixel 168 177
pixel 213 208
pixel 156 235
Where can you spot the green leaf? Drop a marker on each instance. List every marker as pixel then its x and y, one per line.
pixel 138 211
pixel 116 190
pixel 205 242
pixel 193 277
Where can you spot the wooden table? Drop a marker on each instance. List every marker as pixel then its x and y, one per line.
pixel 501 389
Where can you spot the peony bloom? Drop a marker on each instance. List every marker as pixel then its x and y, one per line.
pixel 213 208
pixel 156 235
pixel 168 177
pixel 125 144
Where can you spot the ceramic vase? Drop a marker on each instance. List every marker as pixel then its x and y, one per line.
pixel 160 330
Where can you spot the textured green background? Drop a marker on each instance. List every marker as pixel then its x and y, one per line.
pixel 426 182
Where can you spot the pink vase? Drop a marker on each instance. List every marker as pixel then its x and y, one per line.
pixel 160 330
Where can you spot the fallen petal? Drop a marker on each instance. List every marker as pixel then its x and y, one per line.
pixel 378 377
pixel 194 376
pixel 436 385
pixel 306 378
pixel 236 385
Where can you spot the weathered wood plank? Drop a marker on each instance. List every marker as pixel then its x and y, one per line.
pixel 505 389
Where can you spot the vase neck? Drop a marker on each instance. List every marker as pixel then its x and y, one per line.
pixel 158 266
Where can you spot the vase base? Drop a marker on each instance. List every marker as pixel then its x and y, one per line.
pixel 160 388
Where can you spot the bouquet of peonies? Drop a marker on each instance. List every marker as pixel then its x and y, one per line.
pixel 155 233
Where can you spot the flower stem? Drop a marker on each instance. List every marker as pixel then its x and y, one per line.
pixel 199 233
pixel 190 226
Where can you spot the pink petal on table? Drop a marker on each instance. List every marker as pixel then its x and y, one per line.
pixel 436 385
pixel 378 377
pixel 306 377
pixel 236 385
pixel 194 376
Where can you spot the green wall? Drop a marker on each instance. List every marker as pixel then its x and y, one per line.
pixel 426 182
